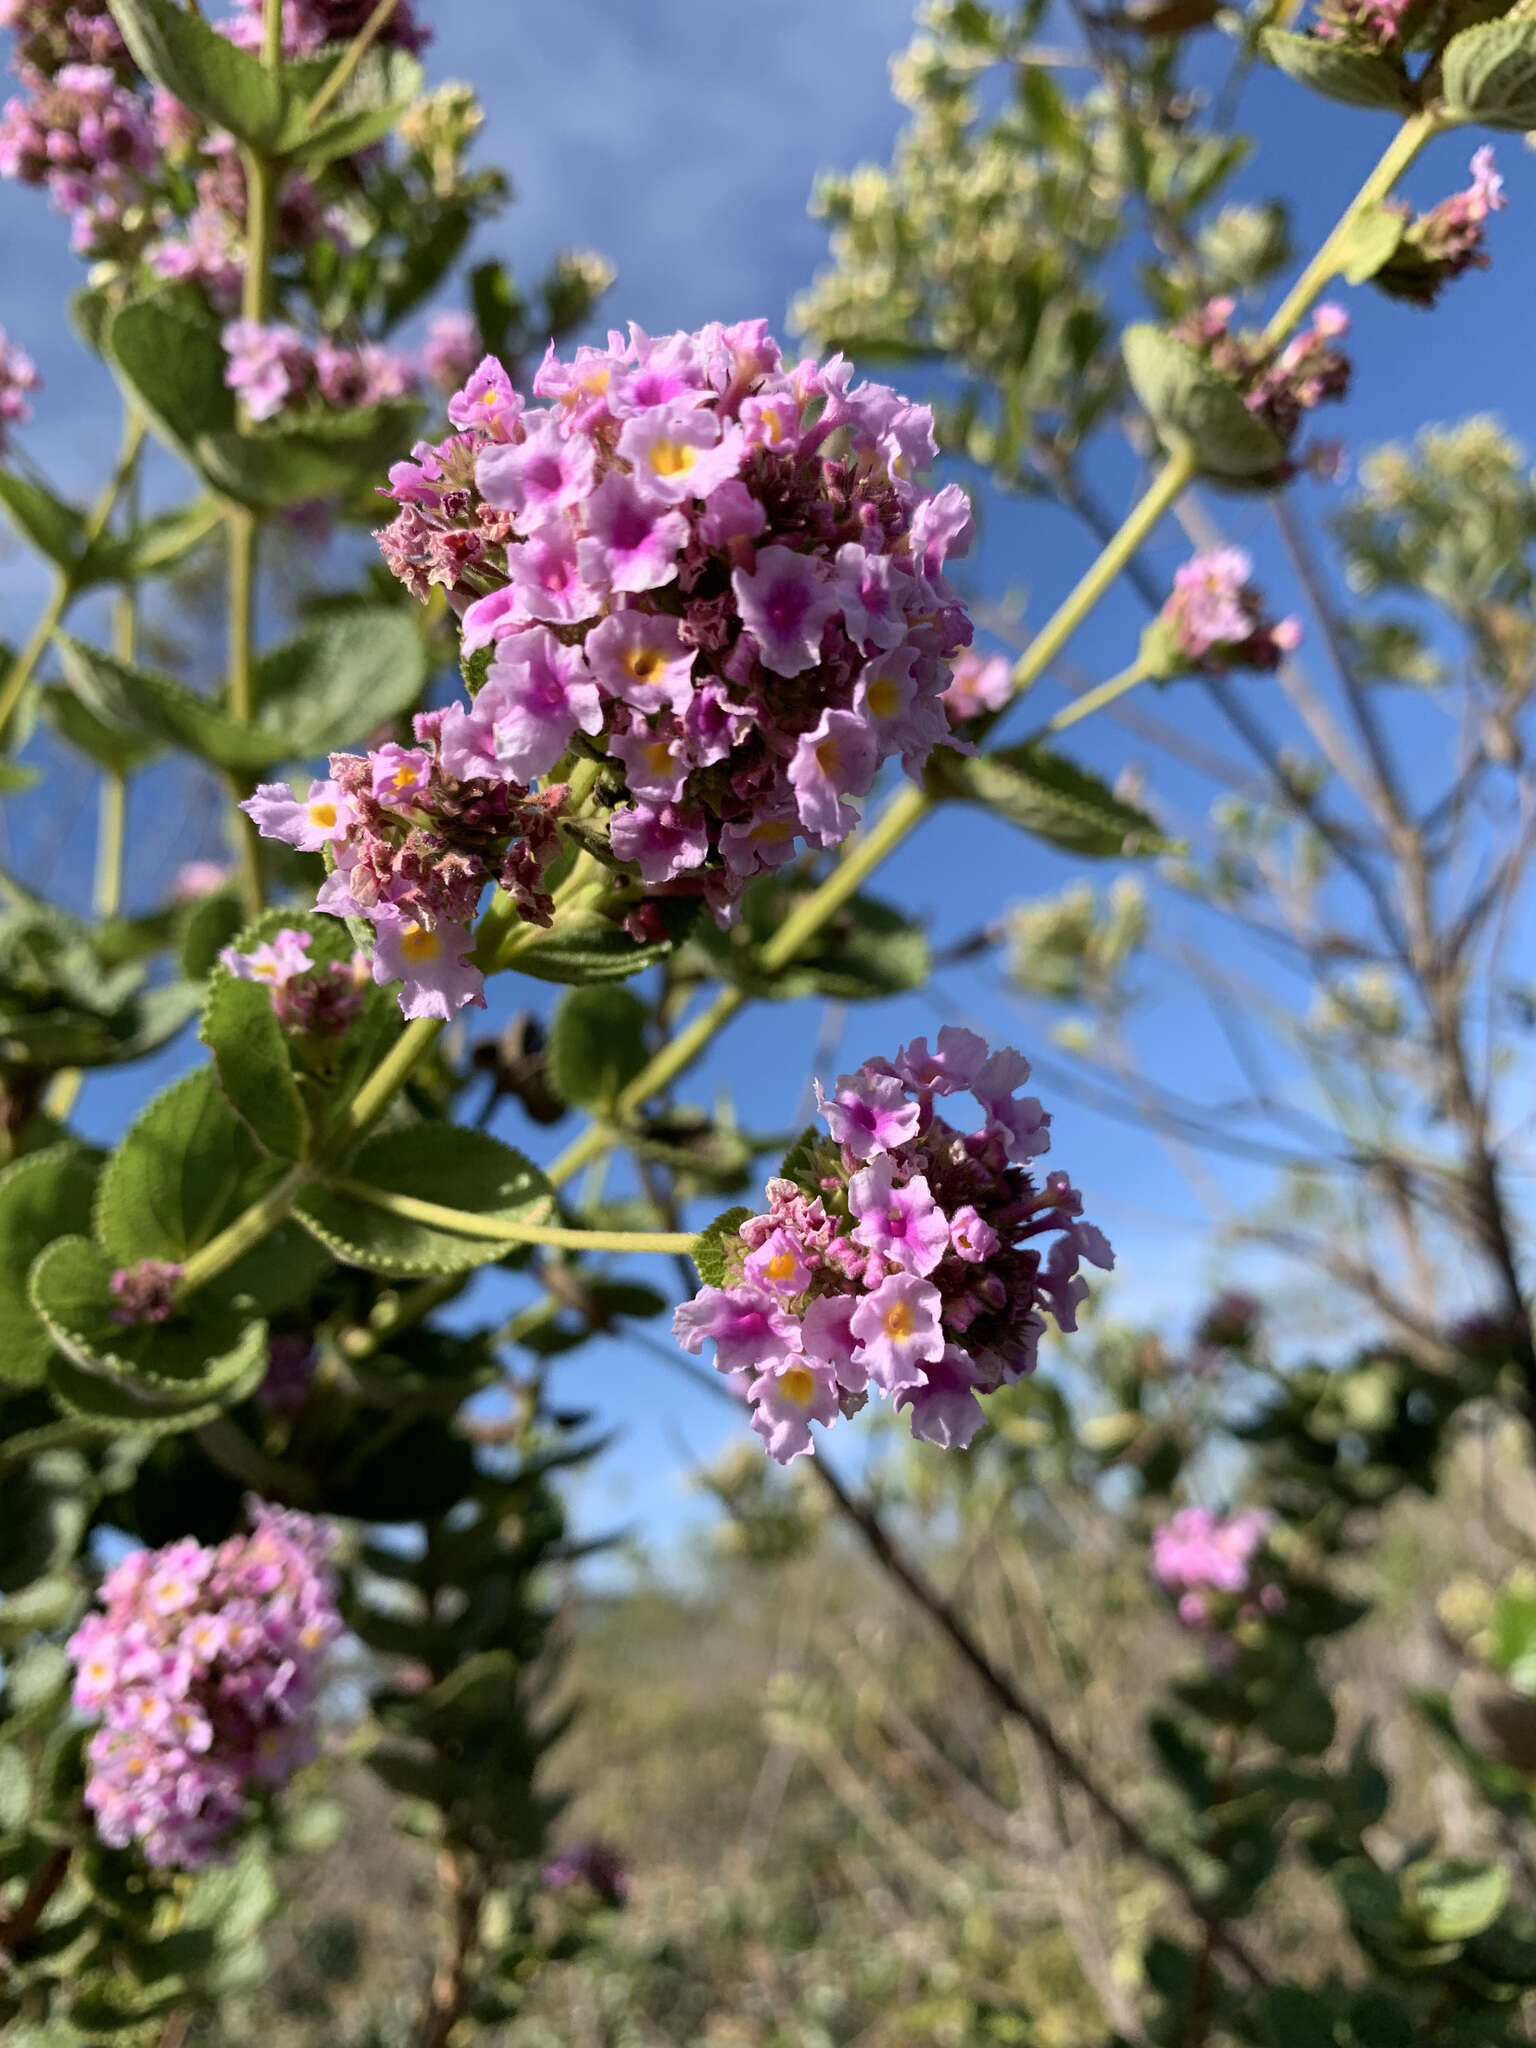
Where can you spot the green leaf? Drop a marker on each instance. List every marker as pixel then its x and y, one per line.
pixel 435 1163
pixel 1489 74
pixel 374 98
pixel 1371 243
pixel 1353 76
pixel 43 1196
pixel 204 70
pixel 153 547
pixel 250 1055
pixel 1188 401
pixel 1045 794
pixel 173 364
pixel 118 746
pixel 207 927
pixel 1452 1898
pixel 306 455
pixel 709 1246
pixel 596 1045
pixel 868 950
pixel 173 714
pixel 186 1169
pixel 54 528
pixel 15 1790
pixel 340 678
pixel 588 948
pixel 210 1355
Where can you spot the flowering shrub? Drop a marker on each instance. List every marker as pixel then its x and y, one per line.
pixel 204 1667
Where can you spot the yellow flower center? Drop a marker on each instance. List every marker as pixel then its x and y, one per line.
pixel 781 1266
pixel 798 1385
pixel 884 698
pixel 418 943
pixel 672 458
pixel 658 756
pixel 771 832
pixel 323 813
pixel 899 1321
pixel 644 663
pixel 403 778
pixel 264 970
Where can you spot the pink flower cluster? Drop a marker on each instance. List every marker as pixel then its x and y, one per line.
pixel 980 683
pixel 1372 25
pixel 1447 241
pixel 274 368
pixel 309 25
pixel 205 1668
pixel 902 1255
pixel 18 378
pixel 412 845
pixel 719 573
pixel 1214 617
pixel 77 127
pixel 1280 386
pixel 312 999
pixel 145 1293
pixel 1211 1564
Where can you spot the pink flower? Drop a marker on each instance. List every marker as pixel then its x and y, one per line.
pixel 452 347
pixel 869 1113
pixel 680 452
pixel 400 774
pixel 277 962
pixel 633 543
pixel 550 583
pixel 778 1266
pixel 903 1225
pixel 642 659
pixel 836 759
pixel 898 1330
pixel 944 1408
pixel 788 1395
pixel 433 963
pixel 545 472
pixel 270 366
pixel 487 401
pixel 663 840
pixel 979 683
pixel 321 817
pixel 746 1326
pixel 537 693
pixel 785 606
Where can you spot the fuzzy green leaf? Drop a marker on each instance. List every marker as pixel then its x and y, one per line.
pixel 1489 74
pixel 250 1055
pixel 1188 401
pixel 374 98
pixel 341 678
pixel 114 744
pixel 1353 76
pixel 588 948
pixel 709 1246
pixel 204 70
pixel 1051 797
pixel 43 1196
pixel 54 528
pixel 210 1357
pixel 434 1163
pixel 1372 242
pixel 596 1045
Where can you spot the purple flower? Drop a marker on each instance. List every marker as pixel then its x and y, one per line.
pixel 18 378
pixel 451 351
pixel 746 1326
pixel 641 658
pixel 322 816
pixel 944 1408
pixel 550 583
pixel 399 774
pixel 837 758
pixel 979 683
pixel 632 542
pixel 898 1330
pixel 663 841
pixel 680 452
pixel 487 401
pixel 537 693
pixel 433 964
pixel 869 1113
pixel 276 962
pixel 545 472
pixel 196 879
pixel 269 366
pixel 903 1225
pixel 954 1065
pixel 778 1266
pixel 785 605
pixel 1216 617
pixel 788 1395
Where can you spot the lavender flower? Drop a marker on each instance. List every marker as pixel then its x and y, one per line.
pixel 146 1293
pixel 275 369
pixel 18 378
pixel 204 1668
pixel 738 581
pixel 1214 619
pixel 1210 1563
pixel 1279 387
pixel 1447 241
pixel 980 683
pixel 314 999
pixel 902 1255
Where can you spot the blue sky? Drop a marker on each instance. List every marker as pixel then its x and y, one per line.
pixel 681 138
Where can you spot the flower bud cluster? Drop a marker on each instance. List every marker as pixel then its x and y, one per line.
pixel 145 1293
pixel 904 1254
pixel 1214 620
pixel 718 573
pixel 204 1667
pixel 77 128
pixel 18 379
pixel 1278 386
pixel 1213 1566
pixel 413 846
pixel 309 25
pixel 312 999
pixel 1445 242
pixel 275 369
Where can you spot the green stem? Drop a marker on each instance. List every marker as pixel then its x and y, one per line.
pixel 245 1233
pixel 111 825
pixel 487 1228
pixel 240 525
pixel 399 1312
pixel 1091 701
pixel 272 33
pixel 387 1078
pixel 348 62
